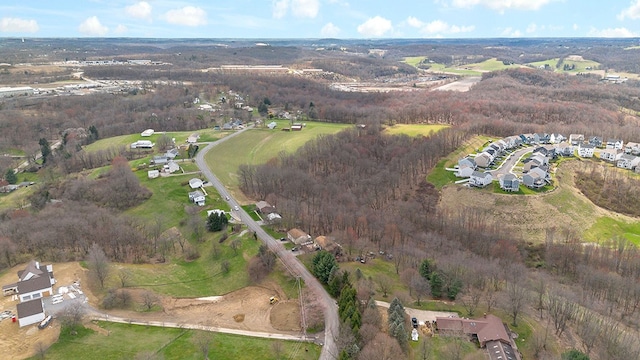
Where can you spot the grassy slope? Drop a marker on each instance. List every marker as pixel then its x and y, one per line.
pixel 201 277
pixel 124 342
pixel 441 177
pixel 258 146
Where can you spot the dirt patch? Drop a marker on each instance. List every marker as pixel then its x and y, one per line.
pixel 285 315
pixel 244 309
pixel 574 58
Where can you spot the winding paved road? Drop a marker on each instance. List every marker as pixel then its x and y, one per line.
pixel 331 321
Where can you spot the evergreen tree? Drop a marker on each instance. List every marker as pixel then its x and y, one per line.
pixel 436 284
pixel 45 149
pixel 11 176
pixel 322 266
pixel 426 268
pixel 217 222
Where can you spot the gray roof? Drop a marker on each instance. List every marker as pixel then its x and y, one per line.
pixel 480 174
pixel 34 284
pixel 587 146
pixel 509 177
pixel 32 267
pixel 29 308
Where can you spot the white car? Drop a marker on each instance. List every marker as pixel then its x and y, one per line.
pixel 236 208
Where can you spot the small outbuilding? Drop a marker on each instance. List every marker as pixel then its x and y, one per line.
pixel 30 312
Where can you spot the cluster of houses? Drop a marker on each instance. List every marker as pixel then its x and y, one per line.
pixel 35 282
pixel 546 147
pixel 167 163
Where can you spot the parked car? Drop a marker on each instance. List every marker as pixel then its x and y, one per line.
pixel 236 208
pixel 294 249
pixel 283 239
pixel 414 322
pixel 44 323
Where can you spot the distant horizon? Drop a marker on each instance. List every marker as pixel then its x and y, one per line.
pixel 320 19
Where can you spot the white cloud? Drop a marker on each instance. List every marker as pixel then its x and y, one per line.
pixel 531 28
pixel 375 27
pixel 299 8
pixel 330 30
pixel 305 8
pixel 17 25
pixel 511 32
pixel 632 12
pixel 120 29
pixel 141 10
pixel 414 22
pixel 502 5
pixel 279 8
pixel 187 16
pixel 612 33
pixel 437 27
pixel 575 27
pixel 92 27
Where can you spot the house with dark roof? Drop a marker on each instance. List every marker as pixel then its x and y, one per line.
pixel 264 207
pixel 488 331
pixel 596 141
pixel 30 312
pixel 34 282
pixel 627 161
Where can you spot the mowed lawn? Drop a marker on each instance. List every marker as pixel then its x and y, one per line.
pixel 414 130
pixel 257 146
pixel 135 341
pixel 206 135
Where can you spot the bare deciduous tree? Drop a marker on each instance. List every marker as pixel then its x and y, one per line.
pixel 203 340
pixel 98 264
pixel 384 284
pixel 149 300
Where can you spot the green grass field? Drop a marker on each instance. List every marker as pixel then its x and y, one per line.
pixel 206 135
pixel 551 62
pixel 414 130
pixel 607 228
pixel 201 277
pixel 257 146
pixel 133 341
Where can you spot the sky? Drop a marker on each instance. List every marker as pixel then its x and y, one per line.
pixel 310 19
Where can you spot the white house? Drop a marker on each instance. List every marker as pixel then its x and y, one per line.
pixel 480 179
pixel 30 312
pixel 464 171
pixel 215 211
pixel 586 150
pixel 632 148
pixel 197 197
pixel 152 174
pixel 142 144
pixel 576 139
pixel 171 167
pixel 195 183
pixel 615 144
pixel 608 154
pixel 627 161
